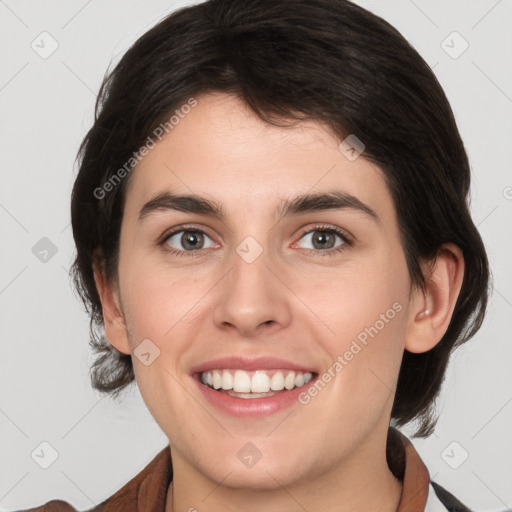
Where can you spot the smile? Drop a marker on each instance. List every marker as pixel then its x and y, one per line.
pixel 254 384
pixel 255 387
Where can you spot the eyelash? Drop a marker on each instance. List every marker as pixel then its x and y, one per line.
pixel 347 241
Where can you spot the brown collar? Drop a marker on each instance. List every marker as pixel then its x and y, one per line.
pixel 416 479
pixel 147 491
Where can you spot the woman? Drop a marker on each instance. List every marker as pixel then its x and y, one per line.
pixel 272 229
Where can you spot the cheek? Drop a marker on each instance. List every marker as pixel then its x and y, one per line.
pixel 159 302
pixel 348 300
pixel 366 313
pixel 160 308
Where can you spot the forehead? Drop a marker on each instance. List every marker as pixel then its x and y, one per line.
pixel 221 150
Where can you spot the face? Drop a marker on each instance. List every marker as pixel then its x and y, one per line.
pixel 253 289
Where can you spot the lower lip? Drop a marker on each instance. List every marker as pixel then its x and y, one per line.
pixel 251 406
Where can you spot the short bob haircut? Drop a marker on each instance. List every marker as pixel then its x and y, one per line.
pixel 329 61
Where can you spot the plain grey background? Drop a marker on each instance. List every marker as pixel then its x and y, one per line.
pixel 47 95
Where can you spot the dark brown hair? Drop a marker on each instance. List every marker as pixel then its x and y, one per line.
pixel 329 61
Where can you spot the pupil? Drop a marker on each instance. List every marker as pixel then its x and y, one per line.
pixel 323 237
pixel 190 241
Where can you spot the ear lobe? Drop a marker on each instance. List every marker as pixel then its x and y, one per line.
pixel 113 317
pixel 432 310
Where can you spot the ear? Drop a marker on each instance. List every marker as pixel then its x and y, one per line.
pixel 432 310
pixel 113 317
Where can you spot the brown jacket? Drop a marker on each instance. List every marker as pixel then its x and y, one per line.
pixel 147 491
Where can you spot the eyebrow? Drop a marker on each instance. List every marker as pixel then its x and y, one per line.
pixel 192 203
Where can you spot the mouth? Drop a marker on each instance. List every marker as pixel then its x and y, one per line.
pixel 254 384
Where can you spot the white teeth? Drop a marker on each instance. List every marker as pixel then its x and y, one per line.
pixel 299 380
pixel 217 379
pixel 277 381
pixel 289 381
pixel 260 382
pixel 241 381
pixel 227 380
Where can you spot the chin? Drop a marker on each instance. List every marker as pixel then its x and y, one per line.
pixel 262 476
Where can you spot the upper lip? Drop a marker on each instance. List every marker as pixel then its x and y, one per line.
pixel 251 364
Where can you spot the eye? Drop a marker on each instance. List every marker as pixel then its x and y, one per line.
pixel 186 240
pixel 323 240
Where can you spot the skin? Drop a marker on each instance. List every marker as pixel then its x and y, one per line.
pixel 289 303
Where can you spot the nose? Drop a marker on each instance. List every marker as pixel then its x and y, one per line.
pixel 253 296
